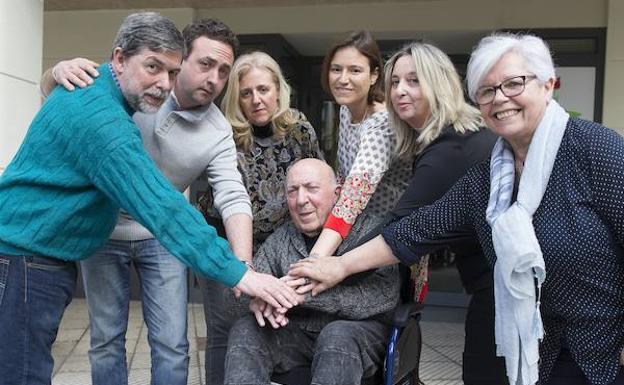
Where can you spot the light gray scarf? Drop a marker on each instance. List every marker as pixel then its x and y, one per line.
pixel 519 262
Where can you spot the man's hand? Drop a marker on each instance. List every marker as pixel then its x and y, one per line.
pixel 75 72
pixel 262 310
pixel 270 289
pixel 324 272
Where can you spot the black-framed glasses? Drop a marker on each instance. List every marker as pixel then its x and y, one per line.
pixel 509 87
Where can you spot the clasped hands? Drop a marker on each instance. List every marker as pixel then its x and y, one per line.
pixel 276 316
pixel 310 275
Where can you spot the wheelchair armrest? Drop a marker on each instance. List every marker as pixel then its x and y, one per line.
pixel 405 311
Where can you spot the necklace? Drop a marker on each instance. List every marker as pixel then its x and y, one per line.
pixel 363 117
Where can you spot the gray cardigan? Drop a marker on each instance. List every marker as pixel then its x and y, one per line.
pixel 372 297
pixel 183 144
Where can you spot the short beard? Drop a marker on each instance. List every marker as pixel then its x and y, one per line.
pixel 138 102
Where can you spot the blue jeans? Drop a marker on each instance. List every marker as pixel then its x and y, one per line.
pixel 164 290
pixel 34 292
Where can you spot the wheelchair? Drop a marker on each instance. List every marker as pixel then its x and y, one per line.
pixel 404 342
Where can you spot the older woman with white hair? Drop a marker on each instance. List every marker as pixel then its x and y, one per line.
pixel 547 210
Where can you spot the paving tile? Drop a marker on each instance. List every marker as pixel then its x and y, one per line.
pixel 140 361
pixel 134 331
pixel 83 346
pixel 70 334
pixel 444 339
pixel 63 348
pixel 437 370
pixel 451 352
pixel 58 362
pixel 194 377
pixel 76 363
pixel 430 354
pixel 139 377
pixel 202 366
pixel 72 378
pixel 74 323
pixel 142 346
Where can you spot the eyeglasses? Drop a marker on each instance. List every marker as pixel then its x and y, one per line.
pixel 509 87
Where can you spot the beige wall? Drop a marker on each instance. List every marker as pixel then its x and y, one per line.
pixel 21 31
pixel 614 68
pixel 417 15
pixel 91 33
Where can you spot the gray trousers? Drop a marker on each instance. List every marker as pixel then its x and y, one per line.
pixel 221 310
pixel 343 353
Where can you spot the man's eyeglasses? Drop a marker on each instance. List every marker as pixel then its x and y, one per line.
pixel 509 87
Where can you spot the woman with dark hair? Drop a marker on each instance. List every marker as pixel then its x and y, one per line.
pixel 372 177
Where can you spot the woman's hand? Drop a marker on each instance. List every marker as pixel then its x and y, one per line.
pixel 325 272
pixel 270 289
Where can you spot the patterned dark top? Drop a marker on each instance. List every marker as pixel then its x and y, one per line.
pixel 263 168
pixel 580 227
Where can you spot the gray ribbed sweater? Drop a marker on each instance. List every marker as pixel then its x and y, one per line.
pixel 373 296
pixel 183 144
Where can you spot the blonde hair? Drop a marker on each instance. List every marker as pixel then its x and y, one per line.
pixel 283 120
pixel 443 91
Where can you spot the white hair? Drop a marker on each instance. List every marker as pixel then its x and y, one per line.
pixel 492 48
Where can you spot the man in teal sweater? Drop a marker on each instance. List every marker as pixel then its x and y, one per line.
pixel 188 136
pixel 81 161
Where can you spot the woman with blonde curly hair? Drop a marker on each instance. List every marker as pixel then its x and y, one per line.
pixel 269 137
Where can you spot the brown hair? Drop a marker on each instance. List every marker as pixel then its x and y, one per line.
pixel 367 46
pixel 213 29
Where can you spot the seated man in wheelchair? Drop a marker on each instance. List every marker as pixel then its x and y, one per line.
pixel 341 333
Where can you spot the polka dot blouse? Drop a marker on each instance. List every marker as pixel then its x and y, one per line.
pixel 580 227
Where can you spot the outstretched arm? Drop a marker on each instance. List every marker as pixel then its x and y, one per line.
pixel 329 271
pixel 406 240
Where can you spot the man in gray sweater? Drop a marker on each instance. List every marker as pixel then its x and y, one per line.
pixel 187 136
pixel 342 332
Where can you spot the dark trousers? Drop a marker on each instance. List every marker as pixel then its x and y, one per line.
pixel 567 372
pixel 480 364
pixel 221 310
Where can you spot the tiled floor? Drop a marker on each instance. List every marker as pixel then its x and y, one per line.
pixel 440 361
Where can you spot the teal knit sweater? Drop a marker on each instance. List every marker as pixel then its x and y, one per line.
pixel 81 160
